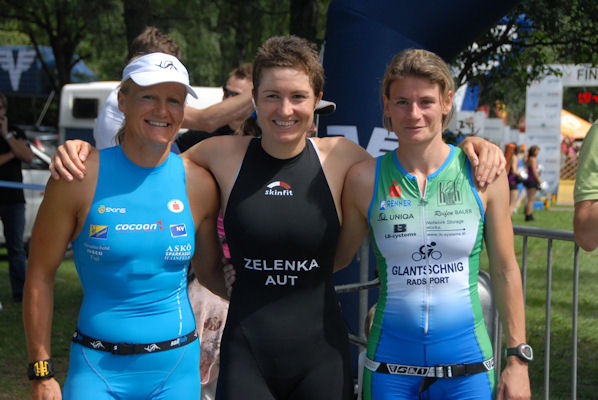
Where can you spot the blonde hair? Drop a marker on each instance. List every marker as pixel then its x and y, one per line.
pixel 125 87
pixel 422 64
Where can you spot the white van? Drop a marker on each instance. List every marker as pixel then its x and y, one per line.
pixel 80 104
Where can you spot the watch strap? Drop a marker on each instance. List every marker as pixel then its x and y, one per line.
pixel 42 369
pixel 519 351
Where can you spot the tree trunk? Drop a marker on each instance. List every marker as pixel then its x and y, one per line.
pixel 138 16
pixel 304 18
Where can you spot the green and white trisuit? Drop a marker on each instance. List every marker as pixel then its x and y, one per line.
pixel 427 250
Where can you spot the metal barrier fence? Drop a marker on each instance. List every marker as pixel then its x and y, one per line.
pixel 495 332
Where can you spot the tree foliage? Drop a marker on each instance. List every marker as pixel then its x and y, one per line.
pixel 63 25
pixel 217 35
pixel 505 59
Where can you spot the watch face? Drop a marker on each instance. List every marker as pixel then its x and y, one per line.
pixel 526 352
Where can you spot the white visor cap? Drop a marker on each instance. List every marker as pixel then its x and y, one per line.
pixel 154 68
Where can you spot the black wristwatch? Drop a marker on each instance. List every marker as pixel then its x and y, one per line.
pixel 43 369
pixel 523 351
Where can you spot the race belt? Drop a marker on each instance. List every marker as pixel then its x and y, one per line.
pixel 133 348
pixel 437 371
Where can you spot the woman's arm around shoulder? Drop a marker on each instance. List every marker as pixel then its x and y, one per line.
pixel 69 159
pixel 507 287
pixel 357 195
pixel 204 202
pixel 59 219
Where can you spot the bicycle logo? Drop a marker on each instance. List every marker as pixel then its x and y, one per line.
pixel 426 251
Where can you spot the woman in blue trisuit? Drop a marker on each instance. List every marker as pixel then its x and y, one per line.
pixel 427 220
pixel 133 222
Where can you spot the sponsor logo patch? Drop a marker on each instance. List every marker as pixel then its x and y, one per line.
pixel 392 203
pixel 278 188
pixel 449 194
pixel 97 344
pixel 176 206
pixel 103 209
pixel 427 251
pixel 394 190
pixel 139 227
pixel 178 230
pixel 98 231
pixel 152 347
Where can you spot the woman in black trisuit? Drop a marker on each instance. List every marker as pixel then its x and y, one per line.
pixel 285 337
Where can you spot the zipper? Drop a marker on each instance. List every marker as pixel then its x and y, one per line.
pixel 425 237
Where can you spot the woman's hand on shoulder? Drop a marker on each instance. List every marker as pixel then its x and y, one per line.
pixel 69 159
pixel 487 159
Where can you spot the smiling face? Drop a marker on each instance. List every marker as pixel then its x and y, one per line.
pixel 153 114
pixel 416 109
pixel 285 103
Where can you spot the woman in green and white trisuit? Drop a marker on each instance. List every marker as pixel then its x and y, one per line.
pixel 427 220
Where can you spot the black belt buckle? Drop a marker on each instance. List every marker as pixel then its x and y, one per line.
pixel 123 348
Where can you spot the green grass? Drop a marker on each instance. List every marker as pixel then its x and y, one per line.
pixel 561 309
pixel 13 355
pixel 13 349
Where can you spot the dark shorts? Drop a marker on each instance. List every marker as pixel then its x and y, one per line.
pixel 314 372
pixel 531 184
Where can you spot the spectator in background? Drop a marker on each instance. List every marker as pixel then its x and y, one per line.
pixel 239 82
pixel 585 221
pixel 110 119
pixel 522 174
pixel 532 183
pixel 514 178
pixel 511 157
pixel 13 150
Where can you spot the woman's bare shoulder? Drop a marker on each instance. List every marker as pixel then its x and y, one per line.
pixel 342 147
pixel 208 151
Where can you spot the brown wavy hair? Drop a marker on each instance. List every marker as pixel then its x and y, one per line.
pixel 422 64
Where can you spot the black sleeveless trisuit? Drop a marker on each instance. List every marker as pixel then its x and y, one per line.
pixel 285 337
